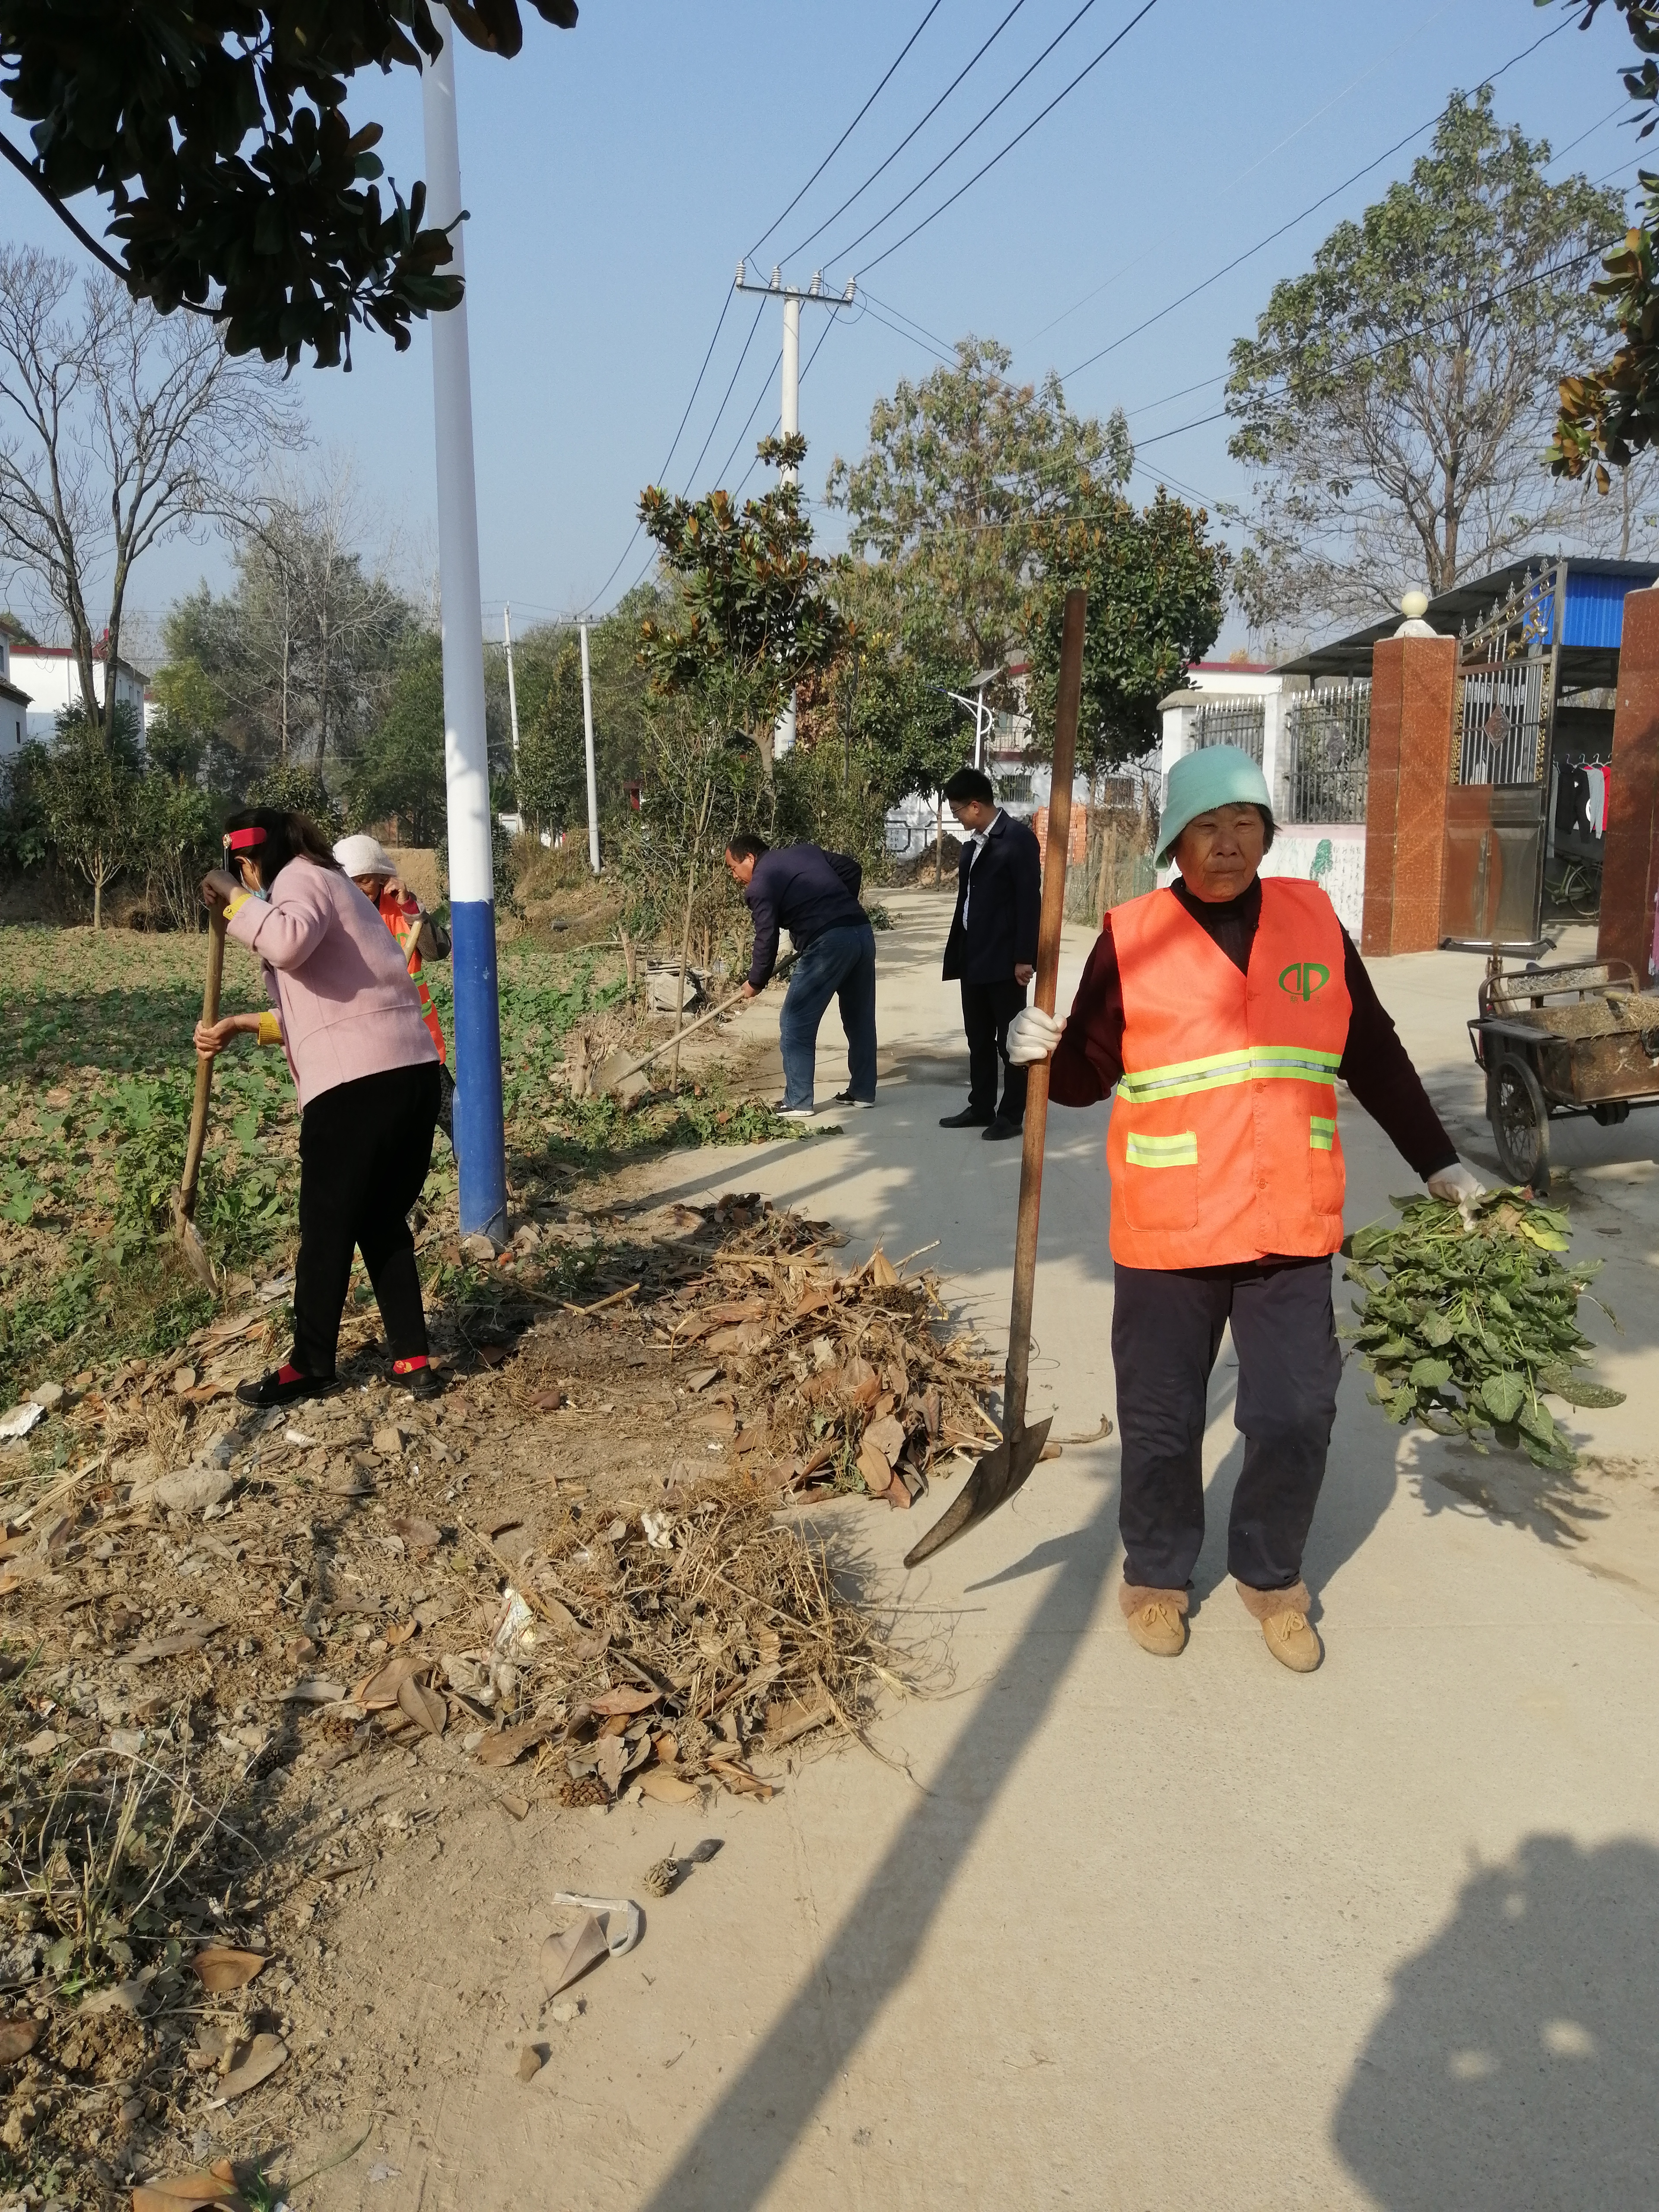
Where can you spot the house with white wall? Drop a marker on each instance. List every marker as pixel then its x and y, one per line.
pixel 1312 741
pixel 14 705
pixel 52 676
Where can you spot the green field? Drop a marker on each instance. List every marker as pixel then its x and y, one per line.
pixel 97 1076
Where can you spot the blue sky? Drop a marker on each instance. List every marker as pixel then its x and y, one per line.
pixel 614 173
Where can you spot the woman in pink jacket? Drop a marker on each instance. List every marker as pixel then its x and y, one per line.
pixel 365 1067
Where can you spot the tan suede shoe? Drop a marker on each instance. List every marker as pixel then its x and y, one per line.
pixel 1285 1627
pixel 1291 1641
pixel 1158 1625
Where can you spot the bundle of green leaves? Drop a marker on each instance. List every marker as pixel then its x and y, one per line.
pixel 1468 1326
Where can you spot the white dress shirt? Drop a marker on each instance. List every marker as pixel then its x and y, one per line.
pixel 978 837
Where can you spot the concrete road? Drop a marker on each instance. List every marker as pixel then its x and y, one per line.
pixel 1126 1933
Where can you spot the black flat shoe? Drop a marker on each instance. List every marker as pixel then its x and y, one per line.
pixel 421 1382
pixel 282 1386
pixel 968 1119
pixel 996 1130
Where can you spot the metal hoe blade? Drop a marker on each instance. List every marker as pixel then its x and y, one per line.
pixel 992 1483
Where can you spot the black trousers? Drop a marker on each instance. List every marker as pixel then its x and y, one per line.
pixel 986 1011
pixel 365 1148
pixel 1166 1331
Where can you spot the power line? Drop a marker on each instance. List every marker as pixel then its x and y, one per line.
pixel 1306 124
pixel 909 135
pixel 776 365
pixel 829 325
pixel 972 132
pixel 1064 93
pixel 848 133
pixel 691 476
pixel 1323 200
pixel 914 336
pixel 932 337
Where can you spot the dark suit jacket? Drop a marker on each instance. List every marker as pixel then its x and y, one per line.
pixel 1001 930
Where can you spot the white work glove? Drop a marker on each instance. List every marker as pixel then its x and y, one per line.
pixel 1459 1187
pixel 1032 1036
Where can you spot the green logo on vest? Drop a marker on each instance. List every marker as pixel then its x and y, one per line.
pixel 1303 977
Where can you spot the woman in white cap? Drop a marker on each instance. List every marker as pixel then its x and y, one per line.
pixel 1222 1010
pixel 418 938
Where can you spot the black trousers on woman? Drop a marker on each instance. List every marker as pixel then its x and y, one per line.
pixel 365 1148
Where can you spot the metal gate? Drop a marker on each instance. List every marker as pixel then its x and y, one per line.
pixel 1492 886
pixel 1240 723
pixel 1327 746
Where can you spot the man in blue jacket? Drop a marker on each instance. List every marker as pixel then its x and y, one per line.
pixel 992 948
pixel 814 895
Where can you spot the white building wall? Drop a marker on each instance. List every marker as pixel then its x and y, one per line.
pixel 51 677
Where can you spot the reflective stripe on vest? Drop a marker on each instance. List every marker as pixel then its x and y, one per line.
pixel 1232 1153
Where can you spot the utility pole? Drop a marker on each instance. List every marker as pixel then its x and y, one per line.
pixel 587 739
pixel 480 1141
pixel 783 736
pixel 512 703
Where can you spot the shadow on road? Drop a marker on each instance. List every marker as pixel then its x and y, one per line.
pixel 744 2142
pixel 1515 2064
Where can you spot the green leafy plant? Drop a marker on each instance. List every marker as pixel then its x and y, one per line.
pixel 1467 1327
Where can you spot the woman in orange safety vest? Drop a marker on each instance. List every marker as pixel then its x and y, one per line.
pixel 373 871
pixel 1222 1010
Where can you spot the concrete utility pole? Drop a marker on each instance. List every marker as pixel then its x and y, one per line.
pixel 783 736
pixel 512 702
pixel 587 738
pixel 480 1140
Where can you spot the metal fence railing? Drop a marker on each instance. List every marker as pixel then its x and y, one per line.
pixel 1503 722
pixel 1240 723
pixel 1326 754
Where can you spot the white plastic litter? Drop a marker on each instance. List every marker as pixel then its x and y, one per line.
pixel 622 1918
pixel 21 1419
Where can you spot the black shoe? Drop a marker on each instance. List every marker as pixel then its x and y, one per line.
pixel 282 1386
pixel 998 1129
pixel 421 1382
pixel 846 1098
pixel 969 1118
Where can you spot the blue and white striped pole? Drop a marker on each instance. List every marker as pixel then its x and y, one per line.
pixel 480 1140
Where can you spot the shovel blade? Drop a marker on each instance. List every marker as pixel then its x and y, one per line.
pixel 992 1483
pixel 620 1074
pixel 196 1253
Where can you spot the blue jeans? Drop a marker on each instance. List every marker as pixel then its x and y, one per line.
pixel 840 964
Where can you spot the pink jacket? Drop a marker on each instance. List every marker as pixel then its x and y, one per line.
pixel 345 999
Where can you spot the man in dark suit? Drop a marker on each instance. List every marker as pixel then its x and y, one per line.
pixel 992 947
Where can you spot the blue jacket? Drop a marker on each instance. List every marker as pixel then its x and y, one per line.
pixel 1001 930
pixel 805 891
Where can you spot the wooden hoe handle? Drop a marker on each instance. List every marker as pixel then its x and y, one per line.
pixel 216 969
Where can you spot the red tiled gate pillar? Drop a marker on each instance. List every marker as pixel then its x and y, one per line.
pixel 1628 863
pixel 1414 682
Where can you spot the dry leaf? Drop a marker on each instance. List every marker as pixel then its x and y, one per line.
pixel 171 1647
pixel 420 1536
pixel 624 1701
pixel 18 2038
pixel 492 1354
pixel 736 1342
pixel 739 1780
pixel 700 1377
pixel 190 2192
pixel 511 1743
pixel 565 1959
pixel 516 1808
pixel 783 1723
pixel 8 1583
pixel 874 1468
pixel 667 1788
pixel 313 1690
pixel 424 1707
pixel 883 1273
pixel 667 1747
pixel 265 2055
pixel 219 1968
pixel 382 1688
pixel 611 1762
pixel 400 1632
pixel 887 1435
pixel 737 1310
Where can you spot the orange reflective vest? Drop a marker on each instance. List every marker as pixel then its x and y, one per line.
pixel 405 923
pixel 1223 1143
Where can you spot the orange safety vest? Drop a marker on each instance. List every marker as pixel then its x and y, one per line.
pixel 1229 1152
pixel 406 928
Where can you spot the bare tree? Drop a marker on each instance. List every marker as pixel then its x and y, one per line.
pixel 118 429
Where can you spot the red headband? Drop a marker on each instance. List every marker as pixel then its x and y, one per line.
pixel 242 840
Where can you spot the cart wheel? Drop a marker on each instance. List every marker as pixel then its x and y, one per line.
pixel 1521 1125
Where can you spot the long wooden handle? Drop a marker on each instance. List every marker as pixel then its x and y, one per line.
pixel 215 970
pixel 703 1022
pixel 1017 1372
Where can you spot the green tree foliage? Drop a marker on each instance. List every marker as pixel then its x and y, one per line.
pixel 965 475
pixel 176 844
pixel 189 708
pixel 302 790
pixel 1610 414
pixel 700 786
pixel 552 751
pixel 1156 586
pixel 218 135
pixel 754 616
pixel 397 773
pixel 88 786
pixel 1396 397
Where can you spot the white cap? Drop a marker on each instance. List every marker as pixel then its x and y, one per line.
pixel 364 856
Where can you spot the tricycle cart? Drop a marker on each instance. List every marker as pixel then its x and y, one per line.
pixel 1579 1038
